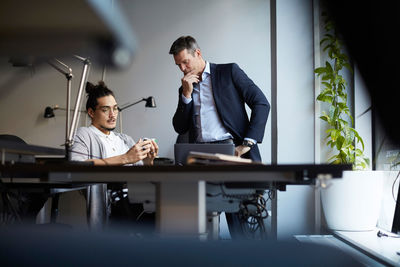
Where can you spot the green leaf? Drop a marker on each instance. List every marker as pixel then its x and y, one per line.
pixel 326 77
pixel 343 123
pixel 342 106
pixel 320 70
pixel 335 158
pixel 349 135
pixel 339 142
pixel 324 98
pixel 328 67
pixel 325 118
pixel 326 39
pixel 327 85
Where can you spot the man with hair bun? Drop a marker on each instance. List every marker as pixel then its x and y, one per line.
pixel 99 144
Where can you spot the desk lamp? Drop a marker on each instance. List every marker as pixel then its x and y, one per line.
pixel 49 113
pixel 70 129
pixel 150 103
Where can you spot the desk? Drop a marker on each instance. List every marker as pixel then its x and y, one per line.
pixel 180 194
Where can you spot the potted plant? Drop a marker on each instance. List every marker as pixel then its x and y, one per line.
pixel 348 203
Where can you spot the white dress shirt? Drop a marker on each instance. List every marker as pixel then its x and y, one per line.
pixel 208 124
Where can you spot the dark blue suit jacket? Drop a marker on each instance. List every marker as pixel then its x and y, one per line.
pixel 232 88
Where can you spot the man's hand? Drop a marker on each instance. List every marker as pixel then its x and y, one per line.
pixel 149 160
pixel 187 83
pixel 240 150
pixel 139 151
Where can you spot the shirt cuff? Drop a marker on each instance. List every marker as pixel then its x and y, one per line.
pixel 186 100
pixel 252 140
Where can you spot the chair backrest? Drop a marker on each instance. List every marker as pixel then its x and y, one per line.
pixel 12 138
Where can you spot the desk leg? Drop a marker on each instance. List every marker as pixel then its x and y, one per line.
pixel 213 225
pixel 317 215
pixel 274 217
pixel 97 206
pixel 181 209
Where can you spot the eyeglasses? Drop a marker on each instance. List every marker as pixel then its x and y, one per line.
pixel 107 110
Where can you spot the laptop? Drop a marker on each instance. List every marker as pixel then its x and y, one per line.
pixel 182 150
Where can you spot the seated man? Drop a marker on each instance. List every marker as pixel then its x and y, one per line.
pixel 99 144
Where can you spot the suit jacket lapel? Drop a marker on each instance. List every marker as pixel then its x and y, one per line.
pixel 215 87
pixel 216 90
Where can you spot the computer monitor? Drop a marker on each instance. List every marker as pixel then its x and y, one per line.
pixel 182 150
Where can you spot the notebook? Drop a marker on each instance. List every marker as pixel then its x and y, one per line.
pixel 182 150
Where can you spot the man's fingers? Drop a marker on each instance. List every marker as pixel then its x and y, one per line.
pixel 144 152
pixel 191 77
pixel 240 150
pixel 146 148
pixel 143 142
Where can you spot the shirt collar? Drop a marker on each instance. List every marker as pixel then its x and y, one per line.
pixel 207 68
pixel 206 71
pixel 100 133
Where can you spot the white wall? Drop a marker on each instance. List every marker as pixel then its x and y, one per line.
pixel 295 115
pixel 226 30
pixel 295 82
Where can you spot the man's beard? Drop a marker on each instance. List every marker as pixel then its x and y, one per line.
pixel 108 129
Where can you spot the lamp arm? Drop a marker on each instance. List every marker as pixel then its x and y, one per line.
pixel 121 109
pixel 56 107
pixel 68 74
pixel 75 119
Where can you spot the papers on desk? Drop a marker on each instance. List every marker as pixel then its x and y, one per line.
pixel 200 158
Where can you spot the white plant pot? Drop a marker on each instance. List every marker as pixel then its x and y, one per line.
pixel 353 202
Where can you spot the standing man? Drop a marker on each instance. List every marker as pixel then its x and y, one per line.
pixel 211 107
pixel 212 98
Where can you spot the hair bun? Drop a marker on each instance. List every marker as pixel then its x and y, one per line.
pixel 102 84
pixel 89 87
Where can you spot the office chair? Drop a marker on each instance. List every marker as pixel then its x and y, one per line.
pixel 12 138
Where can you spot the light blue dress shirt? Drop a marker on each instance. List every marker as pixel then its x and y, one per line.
pixel 208 123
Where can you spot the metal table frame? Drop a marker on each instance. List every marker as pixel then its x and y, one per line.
pixel 180 194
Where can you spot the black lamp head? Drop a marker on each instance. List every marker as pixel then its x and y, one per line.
pixel 150 102
pixel 49 112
